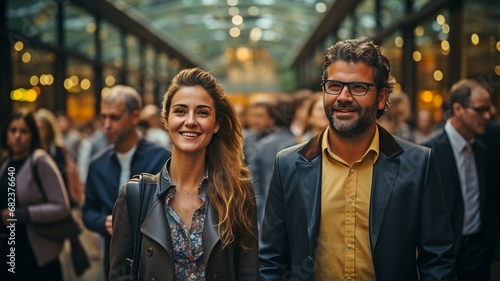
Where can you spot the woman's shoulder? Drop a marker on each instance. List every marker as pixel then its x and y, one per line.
pixel 40 157
pixel 39 154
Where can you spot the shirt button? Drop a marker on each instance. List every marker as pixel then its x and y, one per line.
pixel 192 236
pixel 349 245
pixel 352 171
pixel 149 251
pixel 349 201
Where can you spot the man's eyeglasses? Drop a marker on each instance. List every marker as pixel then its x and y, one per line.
pixel 334 87
pixel 113 117
pixel 481 110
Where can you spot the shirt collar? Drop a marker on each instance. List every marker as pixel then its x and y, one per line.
pixel 458 143
pixel 374 146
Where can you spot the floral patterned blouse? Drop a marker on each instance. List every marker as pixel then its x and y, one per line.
pixel 187 249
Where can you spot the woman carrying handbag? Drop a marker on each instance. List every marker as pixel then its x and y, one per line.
pixel 27 254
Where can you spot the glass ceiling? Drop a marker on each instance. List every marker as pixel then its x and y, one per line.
pixel 214 32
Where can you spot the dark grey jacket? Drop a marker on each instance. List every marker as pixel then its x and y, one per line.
pixel 156 261
pixel 451 185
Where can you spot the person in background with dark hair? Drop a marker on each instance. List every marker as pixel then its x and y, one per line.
pixel 463 166
pixel 260 122
pixel 34 257
pixel 316 118
pixel 262 160
pixel 354 203
pixel 202 224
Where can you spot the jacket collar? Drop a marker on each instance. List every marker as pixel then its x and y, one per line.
pixel 385 173
pixel 388 145
pixel 157 228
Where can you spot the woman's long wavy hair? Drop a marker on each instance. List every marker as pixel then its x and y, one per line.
pixel 230 189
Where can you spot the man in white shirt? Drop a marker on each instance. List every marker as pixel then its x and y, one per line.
pixel 462 160
pixel 128 155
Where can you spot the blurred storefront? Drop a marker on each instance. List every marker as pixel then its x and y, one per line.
pixel 64 56
pixel 431 44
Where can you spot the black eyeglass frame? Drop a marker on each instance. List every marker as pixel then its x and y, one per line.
pixel 348 84
pixel 481 110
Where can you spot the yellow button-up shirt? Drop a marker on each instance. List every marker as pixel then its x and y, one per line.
pixel 343 246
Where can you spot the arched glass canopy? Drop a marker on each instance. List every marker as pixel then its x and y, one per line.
pixel 217 33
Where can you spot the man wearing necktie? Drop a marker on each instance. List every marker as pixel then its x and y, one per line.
pixel 461 160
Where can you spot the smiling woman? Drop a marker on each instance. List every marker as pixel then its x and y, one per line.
pixel 208 228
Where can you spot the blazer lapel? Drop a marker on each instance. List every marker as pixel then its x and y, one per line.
pixel 480 168
pixel 156 226
pixel 385 173
pixel 210 234
pixel 446 150
pixel 309 173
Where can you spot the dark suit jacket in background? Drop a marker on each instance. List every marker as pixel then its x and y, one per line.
pixel 492 141
pixel 407 213
pixel 451 184
pixel 102 185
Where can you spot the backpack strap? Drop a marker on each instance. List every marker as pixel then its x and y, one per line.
pixel 139 196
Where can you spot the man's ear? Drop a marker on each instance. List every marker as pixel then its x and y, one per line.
pixel 383 96
pixel 135 115
pixel 455 107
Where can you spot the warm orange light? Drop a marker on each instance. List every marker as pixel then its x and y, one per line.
pixel 243 54
pixel 427 96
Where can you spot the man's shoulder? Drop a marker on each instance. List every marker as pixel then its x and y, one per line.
pixel 412 151
pixel 151 148
pixel 102 156
pixel 291 152
pixel 438 139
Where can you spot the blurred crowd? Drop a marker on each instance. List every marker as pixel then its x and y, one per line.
pixel 270 122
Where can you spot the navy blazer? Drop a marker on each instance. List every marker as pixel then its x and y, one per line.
pixel 102 185
pixel 451 184
pixel 407 214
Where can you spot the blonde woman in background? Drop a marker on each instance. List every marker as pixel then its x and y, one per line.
pixel 52 141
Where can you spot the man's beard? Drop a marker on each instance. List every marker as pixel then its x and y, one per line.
pixel 354 128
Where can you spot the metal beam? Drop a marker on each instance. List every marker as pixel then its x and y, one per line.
pixel 112 14
pixel 332 19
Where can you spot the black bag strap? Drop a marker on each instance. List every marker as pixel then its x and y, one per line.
pixel 36 175
pixel 139 195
